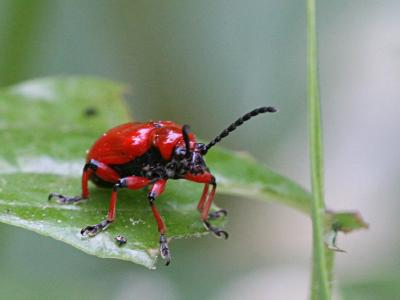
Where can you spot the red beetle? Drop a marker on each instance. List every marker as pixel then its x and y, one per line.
pixel 135 155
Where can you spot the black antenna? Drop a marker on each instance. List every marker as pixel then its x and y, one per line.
pixel 237 123
pixel 185 132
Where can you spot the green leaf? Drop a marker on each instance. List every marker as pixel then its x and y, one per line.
pixel 346 221
pixel 240 174
pixel 47 125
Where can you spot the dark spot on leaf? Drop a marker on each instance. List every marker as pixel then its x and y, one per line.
pixel 90 112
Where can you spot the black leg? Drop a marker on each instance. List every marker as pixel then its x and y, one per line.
pixel 64 199
pixel 95 229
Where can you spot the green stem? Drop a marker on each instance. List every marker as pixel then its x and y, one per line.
pixel 320 278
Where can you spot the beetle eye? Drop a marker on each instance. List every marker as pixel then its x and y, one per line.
pixel 180 151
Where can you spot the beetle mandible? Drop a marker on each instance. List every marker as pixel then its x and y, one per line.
pixel 140 154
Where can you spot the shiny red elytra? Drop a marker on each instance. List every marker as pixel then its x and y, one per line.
pixel 135 155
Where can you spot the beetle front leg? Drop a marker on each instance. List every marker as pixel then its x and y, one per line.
pixel 206 201
pixel 206 216
pixel 133 183
pixel 200 206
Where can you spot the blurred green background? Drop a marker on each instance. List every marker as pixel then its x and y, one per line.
pixel 205 63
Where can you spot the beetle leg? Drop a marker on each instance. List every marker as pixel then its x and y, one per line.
pixel 217 214
pixel 85 192
pixel 203 198
pixel 92 230
pixel 206 201
pixel 91 167
pixel 205 215
pixel 131 182
pixel 156 191
pixel 164 250
pixel 64 199
pixel 87 172
pixel 212 215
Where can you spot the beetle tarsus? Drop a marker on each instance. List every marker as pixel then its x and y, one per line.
pixel 216 231
pixel 64 199
pixel 217 214
pixel 164 250
pixel 92 230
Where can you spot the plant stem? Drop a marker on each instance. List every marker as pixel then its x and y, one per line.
pixel 320 288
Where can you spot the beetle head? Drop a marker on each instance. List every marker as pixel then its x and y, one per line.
pixel 187 157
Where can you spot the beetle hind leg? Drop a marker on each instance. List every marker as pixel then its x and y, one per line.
pixel 88 170
pixel 64 199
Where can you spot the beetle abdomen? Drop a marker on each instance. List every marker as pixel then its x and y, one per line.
pixel 149 165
